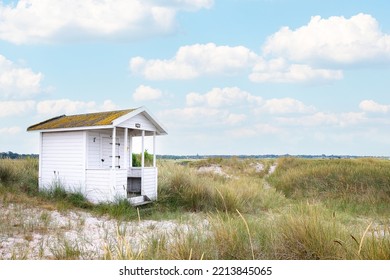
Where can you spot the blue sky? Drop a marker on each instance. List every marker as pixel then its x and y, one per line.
pixel 224 77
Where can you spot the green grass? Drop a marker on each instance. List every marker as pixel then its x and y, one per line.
pixel 359 186
pixel 19 175
pixel 314 209
pixel 182 187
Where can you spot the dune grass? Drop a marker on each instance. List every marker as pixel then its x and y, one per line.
pixel 19 175
pixel 359 186
pixel 314 209
pixel 242 189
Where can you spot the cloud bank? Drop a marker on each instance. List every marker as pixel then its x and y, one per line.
pixel 17 81
pixel 193 61
pixel 315 52
pixel 47 21
pixel 335 40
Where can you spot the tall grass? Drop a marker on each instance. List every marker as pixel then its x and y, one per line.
pixel 19 174
pixel 234 165
pixel 315 209
pixel 358 185
pixel 184 187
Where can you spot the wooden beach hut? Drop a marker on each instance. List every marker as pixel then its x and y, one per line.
pixel 92 154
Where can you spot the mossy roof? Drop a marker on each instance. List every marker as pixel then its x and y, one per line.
pixel 83 120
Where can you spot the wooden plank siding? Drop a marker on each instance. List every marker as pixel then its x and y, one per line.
pixel 149 183
pixel 102 187
pixel 97 187
pixel 97 147
pixel 119 190
pixel 145 124
pixel 93 150
pixel 62 160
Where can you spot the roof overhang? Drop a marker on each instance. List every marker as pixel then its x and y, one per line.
pixel 73 128
pixel 117 122
pixel 160 130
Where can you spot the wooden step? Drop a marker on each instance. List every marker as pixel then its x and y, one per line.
pixel 139 200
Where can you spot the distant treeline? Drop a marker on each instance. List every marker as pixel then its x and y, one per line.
pixel 16 155
pixel 268 156
pixel 13 155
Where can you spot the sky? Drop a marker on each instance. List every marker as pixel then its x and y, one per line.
pixel 238 77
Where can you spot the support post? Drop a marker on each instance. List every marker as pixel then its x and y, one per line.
pixel 126 150
pixel 131 151
pixel 142 161
pixel 155 163
pixel 85 160
pixel 154 149
pixel 40 160
pixel 113 171
pixel 113 147
pixel 143 149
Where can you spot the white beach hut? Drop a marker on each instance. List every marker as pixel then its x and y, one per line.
pixel 92 154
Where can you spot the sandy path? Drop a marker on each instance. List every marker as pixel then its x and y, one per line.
pixel 35 233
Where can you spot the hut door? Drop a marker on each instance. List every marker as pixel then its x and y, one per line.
pixel 106 152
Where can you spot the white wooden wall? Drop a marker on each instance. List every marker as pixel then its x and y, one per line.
pixel 74 159
pixel 96 147
pixel 93 147
pixel 149 184
pixel 63 158
pixel 99 186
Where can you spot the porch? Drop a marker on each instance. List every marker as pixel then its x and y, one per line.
pixel 115 177
pixel 141 184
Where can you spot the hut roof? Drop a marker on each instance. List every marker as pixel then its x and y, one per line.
pixel 82 120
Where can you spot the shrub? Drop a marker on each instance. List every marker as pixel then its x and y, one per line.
pixel 136 158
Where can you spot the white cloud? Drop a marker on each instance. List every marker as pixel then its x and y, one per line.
pixel 10 130
pixel 233 119
pixel 189 5
pixel 197 114
pixel 333 40
pixel 16 81
pixel 280 71
pixel 242 132
pixel 264 128
pixel 219 97
pixel 201 116
pixel 15 108
pixel 36 21
pixel 108 105
pixel 64 106
pixel 252 131
pixel 351 118
pixel 52 107
pixel 325 119
pixel 373 107
pixel 316 119
pixel 285 105
pixel 146 93
pixel 240 99
pixel 218 107
pixel 311 52
pixel 194 61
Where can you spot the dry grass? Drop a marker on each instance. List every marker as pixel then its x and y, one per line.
pixel 184 187
pixel 314 209
pixel 360 186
